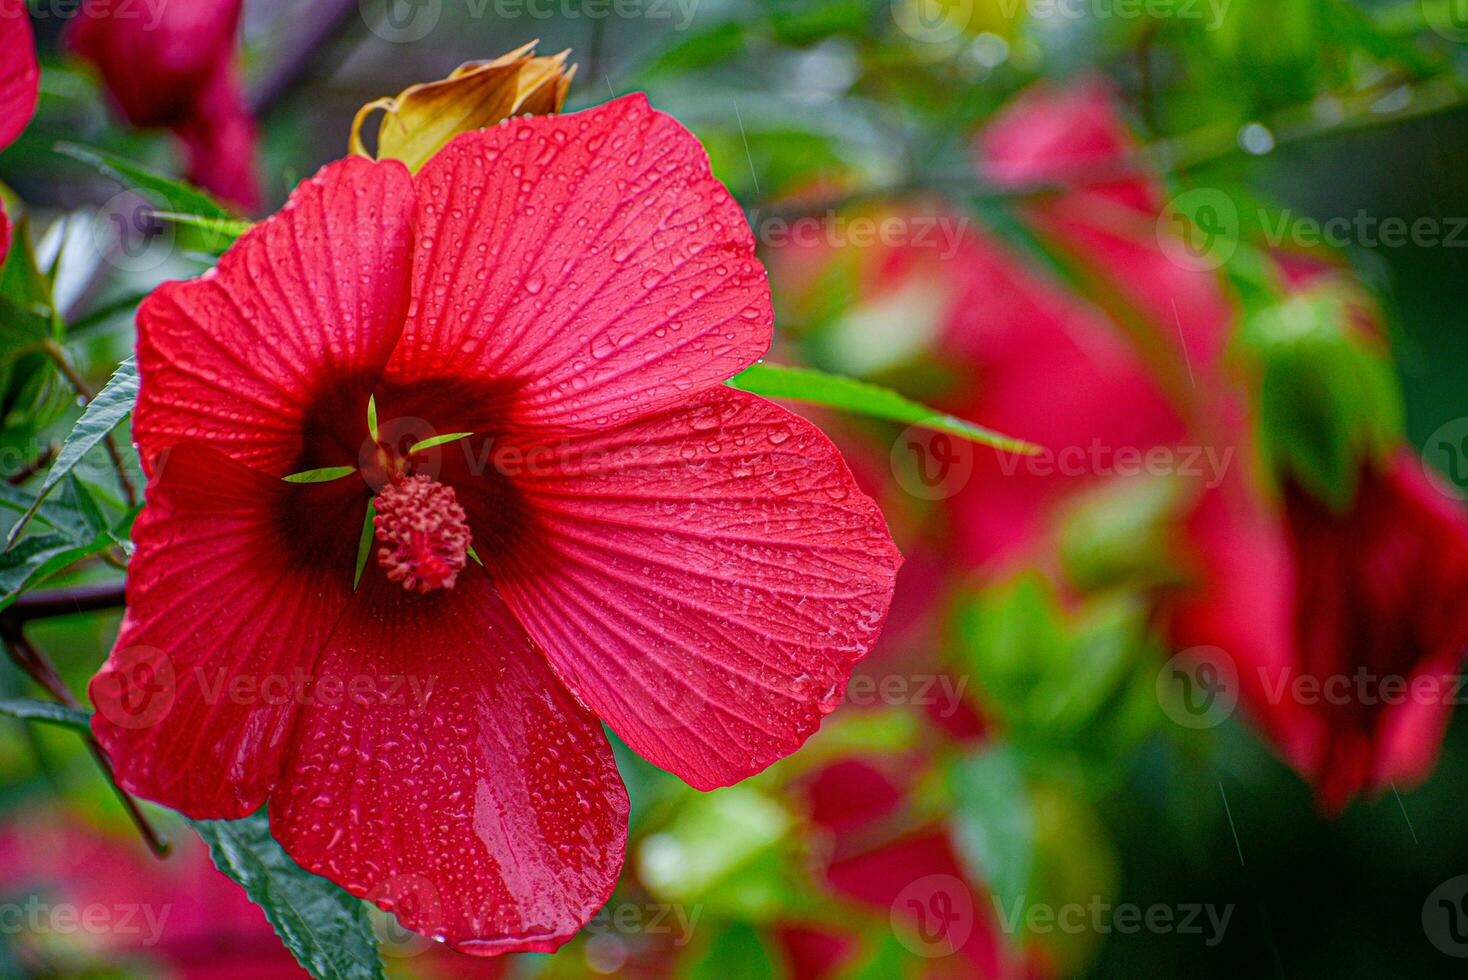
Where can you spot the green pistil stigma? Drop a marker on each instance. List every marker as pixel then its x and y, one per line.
pixel 324 475
pixel 364 543
pixel 429 443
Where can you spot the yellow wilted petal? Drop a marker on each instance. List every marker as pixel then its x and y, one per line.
pixel 478 94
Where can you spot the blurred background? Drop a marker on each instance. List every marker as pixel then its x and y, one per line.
pixel 1208 254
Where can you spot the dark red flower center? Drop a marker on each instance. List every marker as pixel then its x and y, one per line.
pixel 422 533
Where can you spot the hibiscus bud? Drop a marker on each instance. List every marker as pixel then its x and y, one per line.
pixel 478 94
pixel 1327 397
pixel 174 68
pixel 154 66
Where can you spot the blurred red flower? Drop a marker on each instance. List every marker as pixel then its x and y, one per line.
pixel 1107 216
pixel 180 917
pixel 873 855
pixel 1287 592
pixel 20 82
pixel 173 68
pixel 1381 594
pixel 687 563
pixel 1347 630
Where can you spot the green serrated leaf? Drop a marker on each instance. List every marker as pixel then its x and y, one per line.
pixel 181 197
pixel 323 475
pixel 18 500
pixel 101 416
pixel 862 398
pixel 29 709
pixel 39 556
pixel 325 929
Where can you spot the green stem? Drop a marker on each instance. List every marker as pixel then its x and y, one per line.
pixel 40 669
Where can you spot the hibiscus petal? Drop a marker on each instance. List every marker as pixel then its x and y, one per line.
pixel 704 578
pixel 20 76
pixel 445 774
pixel 235 585
pixel 590 259
pixel 272 356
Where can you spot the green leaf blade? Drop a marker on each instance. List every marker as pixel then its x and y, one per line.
pixel 29 709
pixel 863 398
pixel 102 414
pixel 325 929
pixel 38 557
pixel 219 233
pixel 181 197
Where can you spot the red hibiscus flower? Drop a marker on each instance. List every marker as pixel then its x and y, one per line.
pixel 174 69
pixel 622 539
pixel 1381 595
pixel 20 81
pixel 1346 629
pixel 1109 226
